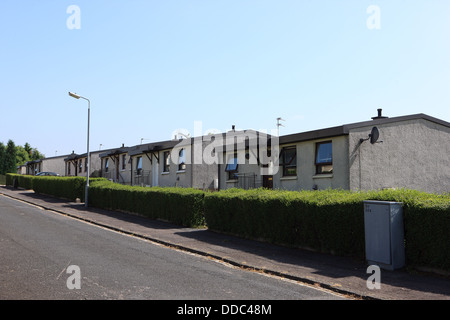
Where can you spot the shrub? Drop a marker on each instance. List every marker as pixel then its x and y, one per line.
pixel 332 220
pixel 183 206
pixel 322 220
pixel 22 181
pixel 69 188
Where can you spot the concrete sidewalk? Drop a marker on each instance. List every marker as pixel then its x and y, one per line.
pixel 339 274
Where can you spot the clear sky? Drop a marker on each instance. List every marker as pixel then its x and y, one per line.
pixel 151 67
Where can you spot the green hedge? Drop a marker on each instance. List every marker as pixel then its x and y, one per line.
pixel 320 220
pixel 182 206
pixel 23 181
pixel 62 187
pixel 69 188
pixel 332 220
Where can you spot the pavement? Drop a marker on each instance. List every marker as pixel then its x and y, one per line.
pixel 341 275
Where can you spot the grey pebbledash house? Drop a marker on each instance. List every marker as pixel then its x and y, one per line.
pixel 76 164
pixel 410 152
pixel 164 163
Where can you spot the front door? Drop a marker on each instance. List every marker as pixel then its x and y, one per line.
pixel 268 182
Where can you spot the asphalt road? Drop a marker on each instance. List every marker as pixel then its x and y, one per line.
pixel 44 255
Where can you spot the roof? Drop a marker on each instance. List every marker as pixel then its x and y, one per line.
pixel 112 152
pixel 154 146
pixel 345 129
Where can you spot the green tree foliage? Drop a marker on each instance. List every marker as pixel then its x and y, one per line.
pixel 22 156
pixel 2 158
pixel 12 156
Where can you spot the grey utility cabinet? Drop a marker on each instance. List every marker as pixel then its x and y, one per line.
pixel 384 234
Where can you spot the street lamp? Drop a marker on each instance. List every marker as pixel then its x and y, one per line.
pixel 77 96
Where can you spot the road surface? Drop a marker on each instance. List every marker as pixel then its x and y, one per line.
pixel 45 255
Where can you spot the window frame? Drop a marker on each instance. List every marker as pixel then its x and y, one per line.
pixel 290 165
pixel 320 166
pixel 232 172
pixel 139 165
pixel 182 159
pixel 166 163
pixel 124 163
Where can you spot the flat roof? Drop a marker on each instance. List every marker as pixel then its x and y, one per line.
pixel 345 129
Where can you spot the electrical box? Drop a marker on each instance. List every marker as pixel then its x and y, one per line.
pixel 384 234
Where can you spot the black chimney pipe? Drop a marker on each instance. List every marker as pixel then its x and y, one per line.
pixel 379 115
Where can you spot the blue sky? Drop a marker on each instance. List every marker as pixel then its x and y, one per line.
pixel 152 67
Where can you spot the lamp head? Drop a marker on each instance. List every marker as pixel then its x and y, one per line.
pixel 74 95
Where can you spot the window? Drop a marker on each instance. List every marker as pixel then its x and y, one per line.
pixel 124 164
pixel 68 169
pixel 85 165
pixel 139 165
pixel 106 165
pixel 232 167
pixel 289 161
pixel 324 157
pixel 80 166
pixel 182 160
pixel 166 161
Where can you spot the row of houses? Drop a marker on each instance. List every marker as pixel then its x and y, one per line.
pixel 400 152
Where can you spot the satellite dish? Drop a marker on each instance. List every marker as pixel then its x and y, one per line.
pixel 374 135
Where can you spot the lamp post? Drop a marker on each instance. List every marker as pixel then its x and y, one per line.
pixel 77 96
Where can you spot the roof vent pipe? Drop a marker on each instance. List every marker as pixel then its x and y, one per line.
pixel 379 115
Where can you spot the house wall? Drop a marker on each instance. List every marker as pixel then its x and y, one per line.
pixel 244 169
pixel 114 163
pixel 414 155
pixel 145 178
pixel 172 178
pixel 306 178
pixel 195 175
pixel 175 177
pixel 95 165
pixel 204 174
pixel 54 164
pixel 33 168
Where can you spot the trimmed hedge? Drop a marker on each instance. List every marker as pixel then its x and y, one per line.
pixel 22 181
pixel 62 187
pixel 319 220
pixel 69 188
pixel 332 220
pixel 182 206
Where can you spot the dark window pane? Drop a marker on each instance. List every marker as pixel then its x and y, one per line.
pixel 324 153
pixel 232 164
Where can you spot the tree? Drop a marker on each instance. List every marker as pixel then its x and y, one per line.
pixel 2 158
pixel 22 156
pixel 28 149
pixel 13 156
pixel 36 155
pixel 10 158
